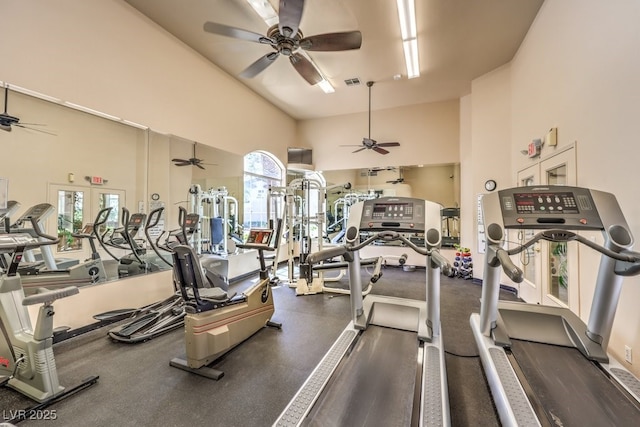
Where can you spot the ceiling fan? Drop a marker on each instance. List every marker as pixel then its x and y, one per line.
pixel 372 144
pixel 7 121
pixel 193 161
pixel 286 38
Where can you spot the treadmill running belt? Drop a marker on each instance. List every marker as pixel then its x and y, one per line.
pixel 373 385
pixel 572 390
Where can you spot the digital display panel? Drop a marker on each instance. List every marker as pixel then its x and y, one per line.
pixel 392 211
pixel 546 203
pixel 261 237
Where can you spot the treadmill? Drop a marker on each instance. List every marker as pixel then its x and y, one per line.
pixel 544 365
pixel 387 367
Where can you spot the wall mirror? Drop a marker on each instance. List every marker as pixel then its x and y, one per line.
pixel 437 183
pixel 80 161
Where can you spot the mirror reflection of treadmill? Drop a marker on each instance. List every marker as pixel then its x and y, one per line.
pixel 544 365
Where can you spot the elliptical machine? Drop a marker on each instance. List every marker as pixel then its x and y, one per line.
pixel 166 315
pixel 26 353
pixel 214 326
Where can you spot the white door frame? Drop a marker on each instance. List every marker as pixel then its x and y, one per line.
pixel 535 288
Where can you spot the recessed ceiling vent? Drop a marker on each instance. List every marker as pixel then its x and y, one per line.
pixel 352 82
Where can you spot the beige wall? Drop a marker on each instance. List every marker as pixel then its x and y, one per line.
pixel 489 154
pixel 106 56
pixel 82 145
pixel 577 70
pixel 428 134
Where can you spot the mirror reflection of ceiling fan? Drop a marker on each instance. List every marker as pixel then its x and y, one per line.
pixel 286 38
pixel 193 161
pixel 399 179
pixel 7 122
pixel 372 144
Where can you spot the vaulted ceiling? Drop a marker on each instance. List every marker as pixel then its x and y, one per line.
pixel 458 40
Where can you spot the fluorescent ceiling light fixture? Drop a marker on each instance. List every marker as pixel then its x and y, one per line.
pixel 411 58
pixel 326 86
pixel 407 17
pixel 324 83
pixel 264 9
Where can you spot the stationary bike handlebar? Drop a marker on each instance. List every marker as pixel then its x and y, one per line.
pixel 557 235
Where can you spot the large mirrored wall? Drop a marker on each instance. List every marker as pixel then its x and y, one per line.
pixel 437 183
pixel 81 161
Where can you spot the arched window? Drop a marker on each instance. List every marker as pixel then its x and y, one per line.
pixel 261 171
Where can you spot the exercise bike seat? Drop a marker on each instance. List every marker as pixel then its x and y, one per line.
pixel 215 294
pixel 48 296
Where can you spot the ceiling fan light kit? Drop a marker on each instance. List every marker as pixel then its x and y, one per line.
pixel 407 17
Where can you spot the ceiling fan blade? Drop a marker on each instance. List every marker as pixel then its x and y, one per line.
pixel 180 160
pixel 332 41
pixel 183 164
pixel 380 150
pixel 198 165
pixel 259 66
pixel 360 149
pixel 236 33
pixel 305 68
pixel 388 144
pixel 351 145
pixel 290 14
pixel 20 125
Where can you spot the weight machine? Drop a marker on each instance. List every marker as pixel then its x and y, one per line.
pixel 218 213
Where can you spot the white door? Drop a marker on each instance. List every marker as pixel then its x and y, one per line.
pixel 550 268
pixel 529 260
pixel 76 207
pixel 560 259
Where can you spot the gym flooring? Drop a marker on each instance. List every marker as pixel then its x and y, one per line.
pixel 137 387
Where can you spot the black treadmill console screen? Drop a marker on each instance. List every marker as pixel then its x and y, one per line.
pixel 546 203
pixel 392 211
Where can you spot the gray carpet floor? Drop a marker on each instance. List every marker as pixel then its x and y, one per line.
pixel 138 387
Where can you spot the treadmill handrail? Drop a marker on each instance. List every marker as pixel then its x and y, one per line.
pixel 387 235
pixel 50 240
pixel 556 235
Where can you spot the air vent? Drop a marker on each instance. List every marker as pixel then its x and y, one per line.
pixel 352 82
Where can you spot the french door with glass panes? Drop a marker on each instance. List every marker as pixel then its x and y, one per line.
pixel 76 208
pixel 550 268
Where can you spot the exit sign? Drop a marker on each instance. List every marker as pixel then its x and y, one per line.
pixel 97 180
pixel 533 149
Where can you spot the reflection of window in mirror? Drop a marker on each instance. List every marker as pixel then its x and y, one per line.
pixel 109 200
pixel 262 170
pixel 70 219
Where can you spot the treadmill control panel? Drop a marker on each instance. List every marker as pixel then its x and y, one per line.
pixel 393 213
pixel 549 207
